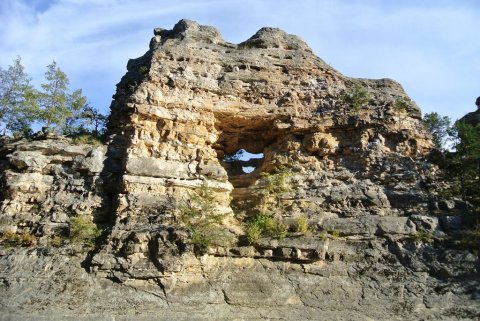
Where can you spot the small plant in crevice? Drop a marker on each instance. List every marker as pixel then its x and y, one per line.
pixel 324 235
pixel 55 241
pixel 335 234
pixel 83 231
pixel 24 239
pixel 276 184
pixel 400 105
pixel 356 98
pixel 302 225
pixel 265 224
pixel 200 216
pixel 421 236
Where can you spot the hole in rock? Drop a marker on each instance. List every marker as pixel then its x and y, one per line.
pixel 245 147
pixel 242 162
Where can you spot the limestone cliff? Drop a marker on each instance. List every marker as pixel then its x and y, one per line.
pixel 355 151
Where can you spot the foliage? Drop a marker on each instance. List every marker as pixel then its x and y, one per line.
pixel 55 241
pixel 400 105
pixel 335 234
pixel 57 102
pixel 422 237
pixel 89 121
pixel 357 97
pixel 439 127
pixel 24 239
pixel 92 118
pixel 200 216
pixel 265 224
pixel 254 231
pixel 87 139
pixel 301 225
pixel 470 240
pixel 18 100
pixel 462 167
pixel 278 182
pixel 55 105
pixel 84 231
pixel 324 235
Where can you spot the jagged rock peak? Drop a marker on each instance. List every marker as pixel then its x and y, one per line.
pixel 268 37
pixel 186 29
pixel 265 38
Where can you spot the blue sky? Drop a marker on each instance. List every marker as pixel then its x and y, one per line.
pixel 431 47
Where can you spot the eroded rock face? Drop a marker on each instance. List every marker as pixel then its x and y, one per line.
pixel 46 182
pixel 355 149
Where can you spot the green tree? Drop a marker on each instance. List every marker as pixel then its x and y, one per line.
pixel 57 102
pixel 94 120
pixel 439 127
pixel 18 100
pixel 463 166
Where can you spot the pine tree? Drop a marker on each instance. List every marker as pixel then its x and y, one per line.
pixel 58 104
pixel 18 100
pixel 438 126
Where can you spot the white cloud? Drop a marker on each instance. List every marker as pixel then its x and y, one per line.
pixel 431 48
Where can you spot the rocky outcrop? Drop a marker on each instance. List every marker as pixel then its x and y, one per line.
pixel 473 118
pixel 46 182
pixel 354 150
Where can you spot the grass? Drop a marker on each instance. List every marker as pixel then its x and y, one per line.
pixel 24 239
pixel 301 225
pixel 335 234
pixel 87 139
pixel 422 237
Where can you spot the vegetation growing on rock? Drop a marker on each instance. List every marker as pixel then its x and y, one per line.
pixel 200 216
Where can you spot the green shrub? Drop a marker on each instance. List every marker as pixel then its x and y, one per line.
pixel 279 230
pixel 265 224
pixel 278 182
pixel 357 97
pixel 254 231
pixel 84 231
pixel 199 215
pixel 324 235
pixel 422 237
pixel 335 234
pixel 25 239
pixel 301 225
pixel 55 241
pixel 400 105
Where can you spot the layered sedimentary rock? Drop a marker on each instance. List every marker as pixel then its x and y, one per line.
pixel 355 150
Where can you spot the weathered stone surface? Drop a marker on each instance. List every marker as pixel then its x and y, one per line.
pixel 358 175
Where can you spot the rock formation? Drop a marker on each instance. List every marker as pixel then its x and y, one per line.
pixel 355 152
pixel 473 118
